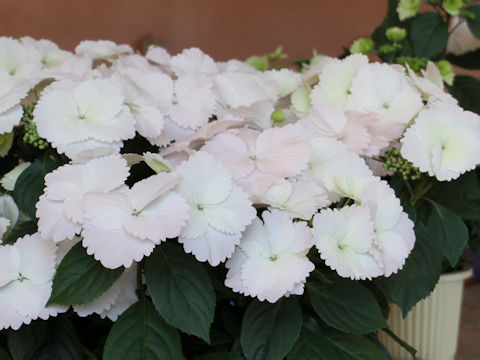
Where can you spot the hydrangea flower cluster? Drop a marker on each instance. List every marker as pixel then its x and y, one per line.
pixel 265 172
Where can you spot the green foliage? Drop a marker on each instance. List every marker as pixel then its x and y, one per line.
pixel 346 305
pixel 141 333
pixel 450 231
pixel 312 344
pixel 419 275
pixel 429 35
pixel 190 301
pixel 269 331
pixel 473 21
pixel 23 343
pixel 61 342
pixel 356 346
pixel 362 46
pixel 80 278
pixel 30 183
pixel 466 90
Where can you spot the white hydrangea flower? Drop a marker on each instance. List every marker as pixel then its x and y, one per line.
pixel 444 141
pixel 271 260
pixel 430 84
pixel 26 273
pixel 19 60
pixel 60 208
pixel 298 198
pixel 115 300
pixel 51 55
pixel 125 225
pixel 347 175
pixel 336 79
pixel 276 151
pixel 286 79
pixel 193 61
pixel 101 49
pixel 9 179
pixel 12 90
pixel 394 235
pixel 219 210
pixel 188 101
pixel 236 89
pixel 158 55
pixel 380 88
pixel 8 214
pixel 71 112
pixel 344 239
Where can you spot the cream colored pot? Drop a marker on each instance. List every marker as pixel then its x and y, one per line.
pixel 432 325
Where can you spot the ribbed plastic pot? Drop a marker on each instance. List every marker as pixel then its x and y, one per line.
pixel 432 325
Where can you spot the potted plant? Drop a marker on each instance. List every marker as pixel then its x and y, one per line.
pixel 446 33
pixel 160 206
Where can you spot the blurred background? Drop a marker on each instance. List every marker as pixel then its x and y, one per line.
pixel 222 28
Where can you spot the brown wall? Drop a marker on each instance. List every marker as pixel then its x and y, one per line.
pixel 223 28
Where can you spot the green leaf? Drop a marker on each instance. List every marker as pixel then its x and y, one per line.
pixel 419 275
pixel 451 231
pixel 313 344
pixel 220 356
pixel 62 342
pixel 141 333
pixel 269 331
pixel 356 346
pixel 4 355
pixel 466 90
pixel 23 342
pixel 346 305
pixel 474 22
pixel 29 185
pixel 80 278
pixel 429 35
pixel 20 230
pixel 181 290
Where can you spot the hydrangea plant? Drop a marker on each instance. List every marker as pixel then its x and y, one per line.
pixel 171 207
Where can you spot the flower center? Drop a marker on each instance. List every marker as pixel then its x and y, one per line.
pixel 200 207
pixel 341 246
pixel 21 278
pixel 136 212
pixel 273 257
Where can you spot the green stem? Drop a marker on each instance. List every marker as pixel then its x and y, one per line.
pixel 423 187
pixel 140 291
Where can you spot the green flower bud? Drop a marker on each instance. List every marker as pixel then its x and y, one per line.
pixel 408 8
pixel 362 46
pixel 258 62
pixel 453 7
pixel 446 71
pixel 396 34
pixel 415 63
pixel 277 54
pixel 6 141
pixel 277 116
pixel 387 49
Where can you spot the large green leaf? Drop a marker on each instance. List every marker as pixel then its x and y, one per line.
pixel 462 196
pixel 450 230
pixel 466 90
pixel 29 185
pixel 220 356
pixel 61 342
pixel 356 346
pixel 80 278
pixel 181 290
pixel 23 342
pixel 313 344
pixel 4 355
pixel 269 331
pixel 346 305
pixel 20 230
pixel 140 333
pixel 429 35
pixel 474 22
pixel 419 275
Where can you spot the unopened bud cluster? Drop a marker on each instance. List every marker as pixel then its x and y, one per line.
pixel 31 135
pixel 393 161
